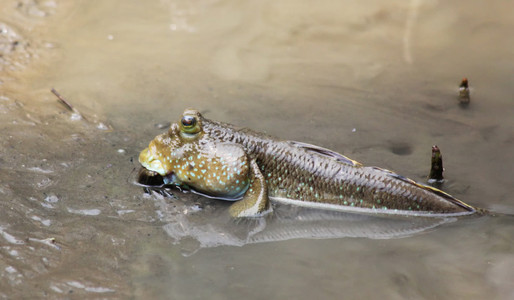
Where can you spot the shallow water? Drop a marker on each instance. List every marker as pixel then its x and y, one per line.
pixel 375 81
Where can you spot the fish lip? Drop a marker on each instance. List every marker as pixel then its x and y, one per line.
pixel 152 161
pixel 150 172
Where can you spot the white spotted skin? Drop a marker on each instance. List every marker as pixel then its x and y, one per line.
pixel 213 168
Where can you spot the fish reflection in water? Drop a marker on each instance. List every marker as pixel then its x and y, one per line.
pixel 209 224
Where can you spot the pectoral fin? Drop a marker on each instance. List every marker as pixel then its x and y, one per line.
pixel 255 202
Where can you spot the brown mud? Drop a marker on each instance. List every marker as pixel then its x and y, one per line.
pixel 375 81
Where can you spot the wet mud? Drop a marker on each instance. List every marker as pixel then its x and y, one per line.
pixel 378 82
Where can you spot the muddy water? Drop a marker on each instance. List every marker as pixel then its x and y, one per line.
pixel 375 81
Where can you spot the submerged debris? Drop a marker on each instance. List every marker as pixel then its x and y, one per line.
pixel 464 97
pixel 76 114
pixel 48 241
pixel 436 170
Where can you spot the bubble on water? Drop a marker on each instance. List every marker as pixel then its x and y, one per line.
pixel 14 252
pixel 49 242
pixel 51 198
pixel 39 170
pixel 56 289
pixel 44 182
pixel 99 290
pixel 10 238
pixel 45 222
pixel 47 205
pixel 85 212
pixel 196 207
pixel 76 284
pixel 102 126
pixel 125 211
pixel 117 241
pixel 75 117
pixel 80 285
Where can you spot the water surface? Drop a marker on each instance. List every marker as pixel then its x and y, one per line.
pixel 375 81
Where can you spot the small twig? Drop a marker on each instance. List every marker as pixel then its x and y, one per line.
pixel 67 104
pixel 436 170
pixel 49 242
pixel 63 101
pixel 464 97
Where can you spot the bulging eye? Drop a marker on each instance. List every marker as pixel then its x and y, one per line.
pixel 189 125
pixel 188 122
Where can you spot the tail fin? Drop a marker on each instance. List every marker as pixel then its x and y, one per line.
pixel 434 190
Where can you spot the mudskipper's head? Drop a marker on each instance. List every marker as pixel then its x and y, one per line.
pixel 186 156
pixel 167 149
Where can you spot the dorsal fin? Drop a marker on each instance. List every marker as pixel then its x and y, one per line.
pixel 428 188
pixel 326 152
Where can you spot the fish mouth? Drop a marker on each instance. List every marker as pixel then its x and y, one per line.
pixel 151 178
pixel 152 181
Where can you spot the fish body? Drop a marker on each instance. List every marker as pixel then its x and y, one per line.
pixel 222 161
